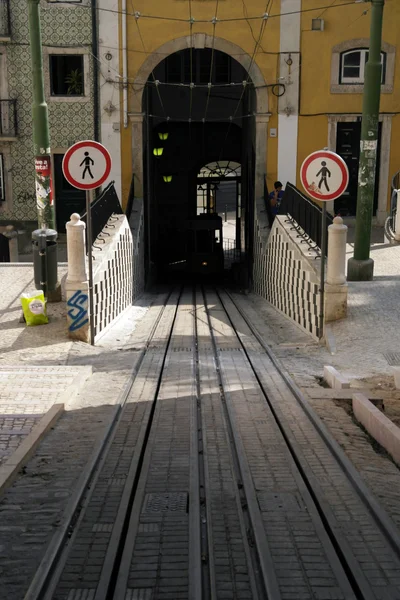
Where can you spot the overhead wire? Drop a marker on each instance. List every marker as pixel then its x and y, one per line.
pixel 248 78
pixel 227 20
pixel 215 20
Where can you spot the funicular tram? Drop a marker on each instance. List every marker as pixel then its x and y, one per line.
pixel 204 247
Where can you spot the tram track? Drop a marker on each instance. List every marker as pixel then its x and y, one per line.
pixel 204 489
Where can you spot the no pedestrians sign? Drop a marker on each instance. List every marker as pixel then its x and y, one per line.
pixel 324 175
pixel 86 165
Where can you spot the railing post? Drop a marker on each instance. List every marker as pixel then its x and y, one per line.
pixel 336 286
pixel 77 284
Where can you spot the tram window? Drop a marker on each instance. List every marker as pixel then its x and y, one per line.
pixel 218 236
pixel 204 243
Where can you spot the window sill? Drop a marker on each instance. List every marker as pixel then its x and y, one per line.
pixel 354 88
pixel 68 99
pixel 8 138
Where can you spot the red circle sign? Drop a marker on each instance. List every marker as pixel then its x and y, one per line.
pixel 324 175
pixel 86 165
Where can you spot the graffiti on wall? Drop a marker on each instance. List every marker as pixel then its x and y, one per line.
pixel 77 312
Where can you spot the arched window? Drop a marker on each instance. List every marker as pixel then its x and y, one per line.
pixel 352 66
pixel 208 180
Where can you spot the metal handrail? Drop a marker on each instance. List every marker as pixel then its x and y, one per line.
pixel 305 215
pixel 106 205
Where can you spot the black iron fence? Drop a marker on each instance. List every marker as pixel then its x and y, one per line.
pixel 8 118
pixel 5 21
pixel 106 205
pixel 305 215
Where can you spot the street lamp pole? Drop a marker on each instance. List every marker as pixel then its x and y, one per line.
pixel 41 138
pixel 361 267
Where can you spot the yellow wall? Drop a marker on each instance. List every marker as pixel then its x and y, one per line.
pixel 341 23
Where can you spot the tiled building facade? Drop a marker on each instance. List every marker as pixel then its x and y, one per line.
pixel 68 74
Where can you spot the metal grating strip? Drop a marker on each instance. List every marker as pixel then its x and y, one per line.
pixel 139 594
pixel 102 528
pixel 81 594
pixel 148 528
pixel 393 358
pixel 175 502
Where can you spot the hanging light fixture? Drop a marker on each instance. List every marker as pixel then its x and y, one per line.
pixel 167 178
pixel 163 135
pixel 158 152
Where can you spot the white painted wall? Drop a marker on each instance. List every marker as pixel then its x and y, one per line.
pixel 109 81
pixel 288 104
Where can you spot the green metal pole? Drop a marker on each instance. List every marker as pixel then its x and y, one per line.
pixel 41 138
pixel 361 266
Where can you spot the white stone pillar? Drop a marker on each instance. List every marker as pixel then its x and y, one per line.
pixel 77 284
pixel 337 239
pixel 12 236
pixel 336 286
pixel 397 223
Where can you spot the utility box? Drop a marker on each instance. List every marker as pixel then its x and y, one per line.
pixel 44 245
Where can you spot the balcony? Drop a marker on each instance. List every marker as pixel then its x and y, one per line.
pixel 5 22
pixel 8 119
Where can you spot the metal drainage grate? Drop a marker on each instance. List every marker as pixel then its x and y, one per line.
pixel 393 358
pixel 116 482
pixel 175 502
pixel 182 349
pixel 139 594
pixel 102 528
pixel 229 349
pixel 148 528
pixel 81 594
pixel 279 502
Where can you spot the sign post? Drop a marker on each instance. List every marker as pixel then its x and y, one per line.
pixel 86 166
pixel 324 176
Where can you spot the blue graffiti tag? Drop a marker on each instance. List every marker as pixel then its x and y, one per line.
pixel 78 312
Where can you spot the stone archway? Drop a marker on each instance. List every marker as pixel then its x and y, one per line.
pixel 200 41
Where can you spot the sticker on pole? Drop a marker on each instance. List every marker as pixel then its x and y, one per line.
pixel 324 175
pixel 86 165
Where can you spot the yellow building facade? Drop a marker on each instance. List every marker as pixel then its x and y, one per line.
pixel 305 60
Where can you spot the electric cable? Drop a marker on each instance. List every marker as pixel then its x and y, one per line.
pixel 209 85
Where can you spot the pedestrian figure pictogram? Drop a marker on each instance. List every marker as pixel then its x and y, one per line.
pixel 87 161
pixel 324 172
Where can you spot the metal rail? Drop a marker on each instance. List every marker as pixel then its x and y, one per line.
pixel 50 568
pixel 386 526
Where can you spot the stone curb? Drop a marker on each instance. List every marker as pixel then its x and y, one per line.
pixel 9 470
pixel 382 429
pixel 69 396
pixel 335 379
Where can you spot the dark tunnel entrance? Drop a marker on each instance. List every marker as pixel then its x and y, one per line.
pixel 199 184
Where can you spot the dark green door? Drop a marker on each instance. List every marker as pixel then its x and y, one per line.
pixel 348 147
pixel 68 199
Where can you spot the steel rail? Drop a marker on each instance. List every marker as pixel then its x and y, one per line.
pixel 51 565
pixel 361 587
pixel 265 576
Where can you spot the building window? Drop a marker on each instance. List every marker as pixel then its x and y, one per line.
pixel 2 183
pixel 66 75
pixel 352 66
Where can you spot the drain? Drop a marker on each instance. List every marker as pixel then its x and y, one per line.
pixel 393 358
pixel 174 502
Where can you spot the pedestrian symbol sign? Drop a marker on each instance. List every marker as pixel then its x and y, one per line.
pixel 86 165
pixel 324 175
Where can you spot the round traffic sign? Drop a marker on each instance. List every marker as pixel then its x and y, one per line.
pixel 86 165
pixel 324 175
